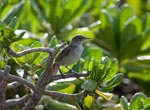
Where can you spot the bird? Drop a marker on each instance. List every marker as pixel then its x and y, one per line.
pixel 70 55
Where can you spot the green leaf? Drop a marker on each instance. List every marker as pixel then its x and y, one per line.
pixel 92 51
pixel 26 41
pixel 147 107
pixel 106 19
pixel 15 11
pixel 2 60
pixel 89 85
pixel 107 64
pixel 111 71
pixel 88 100
pixel 69 89
pixel 95 73
pixel 13 23
pixel 124 103
pixel 53 41
pixel 2 25
pixel 65 87
pixel 71 9
pixel 32 57
pixel 125 14
pixel 114 81
pixel 146 102
pixel 137 101
pixel 36 9
pixel 19 36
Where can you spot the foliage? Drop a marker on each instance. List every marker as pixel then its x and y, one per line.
pixel 118 30
pixel 138 101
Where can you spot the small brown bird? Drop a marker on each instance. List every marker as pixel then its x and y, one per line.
pixel 70 54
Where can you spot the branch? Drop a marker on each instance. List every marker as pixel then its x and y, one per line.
pixel 43 49
pixel 13 78
pixel 3 86
pixel 40 85
pixel 16 102
pixel 70 98
pixel 43 81
pixel 55 95
pixel 15 88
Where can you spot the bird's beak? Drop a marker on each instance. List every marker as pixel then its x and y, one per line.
pixel 86 38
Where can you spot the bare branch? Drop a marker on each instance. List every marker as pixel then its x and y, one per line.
pixel 39 88
pixel 27 51
pixel 20 80
pixel 3 86
pixel 15 88
pixel 16 102
pixel 64 97
pixel 13 78
pixel 19 54
pixel 55 95
pixel 40 85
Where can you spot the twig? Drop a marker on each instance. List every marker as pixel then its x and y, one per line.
pixel 3 86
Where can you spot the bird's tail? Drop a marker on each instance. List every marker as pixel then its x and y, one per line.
pixel 55 68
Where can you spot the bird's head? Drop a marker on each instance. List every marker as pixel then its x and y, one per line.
pixel 79 39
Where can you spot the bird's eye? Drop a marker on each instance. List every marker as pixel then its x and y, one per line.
pixel 79 38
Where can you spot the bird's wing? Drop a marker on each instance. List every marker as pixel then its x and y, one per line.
pixel 63 53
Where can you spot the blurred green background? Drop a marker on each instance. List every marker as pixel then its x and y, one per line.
pixel 119 29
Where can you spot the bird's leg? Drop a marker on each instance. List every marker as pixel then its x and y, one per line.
pixel 72 71
pixel 62 74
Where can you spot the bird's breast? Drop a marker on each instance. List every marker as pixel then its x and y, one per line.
pixel 73 56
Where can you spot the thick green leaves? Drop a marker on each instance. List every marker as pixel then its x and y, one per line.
pixel 13 23
pixel 125 14
pixel 15 11
pixel 53 42
pixel 88 100
pixel 107 63
pixel 113 82
pixel 124 103
pixel 102 72
pixel 7 36
pixel 19 37
pixel 89 85
pixel 137 101
pixel 2 25
pixel 147 107
pixel 71 9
